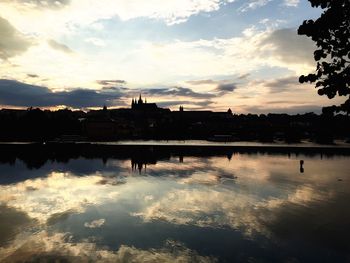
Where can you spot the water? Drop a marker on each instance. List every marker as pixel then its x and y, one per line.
pixel 176 207
pixel 304 143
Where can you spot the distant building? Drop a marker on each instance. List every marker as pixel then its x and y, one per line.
pixel 148 120
pixel 141 105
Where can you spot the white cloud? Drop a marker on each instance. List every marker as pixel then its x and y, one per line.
pixel 292 3
pixel 28 17
pixel 253 4
pixel 95 224
pixel 95 41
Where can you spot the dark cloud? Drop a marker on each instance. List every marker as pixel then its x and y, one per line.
pixel 113 89
pixel 245 97
pixel 16 93
pixel 203 103
pixel 289 110
pixel 177 91
pixel 12 222
pixel 244 76
pixel 282 84
pixel 194 104
pixel 280 102
pixel 32 75
pixel 222 86
pixel 226 87
pixel 172 103
pixel 59 217
pixel 290 47
pixel 82 98
pixel 12 42
pixel 111 82
pixel 202 82
pixel 58 46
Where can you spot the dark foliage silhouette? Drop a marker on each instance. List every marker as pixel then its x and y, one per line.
pixel 161 124
pixel 331 33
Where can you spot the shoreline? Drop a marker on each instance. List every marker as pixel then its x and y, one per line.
pixel 183 148
pixel 190 143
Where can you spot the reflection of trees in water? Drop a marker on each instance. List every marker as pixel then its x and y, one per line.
pixel 36 155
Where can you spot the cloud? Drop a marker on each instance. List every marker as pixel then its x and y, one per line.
pixel 95 224
pixel 52 4
pixel 111 82
pixel 217 209
pixel 238 207
pixel 32 75
pixel 202 82
pixel 43 247
pixel 201 104
pixel 12 42
pixel 177 11
pixel 95 41
pixel 290 109
pixel 208 202
pixel 291 3
pixel 226 87
pixel 15 93
pixel 173 103
pixel 259 48
pixel 82 98
pixel 142 62
pixel 52 199
pixel 12 221
pixel 215 57
pixel 177 91
pixel 289 47
pixel 253 4
pixel 282 84
pixel 244 76
pixel 221 86
pixel 86 12
pixel 20 94
pixel 58 46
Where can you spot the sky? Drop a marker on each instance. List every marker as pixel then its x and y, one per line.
pixel 201 54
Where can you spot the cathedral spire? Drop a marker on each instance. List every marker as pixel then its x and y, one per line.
pixel 140 100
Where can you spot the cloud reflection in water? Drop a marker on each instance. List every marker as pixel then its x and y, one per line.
pixel 260 196
pixel 43 247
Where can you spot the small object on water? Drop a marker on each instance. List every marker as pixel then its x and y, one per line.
pixel 340 180
pixel 301 166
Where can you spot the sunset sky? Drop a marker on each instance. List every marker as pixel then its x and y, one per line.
pixel 202 54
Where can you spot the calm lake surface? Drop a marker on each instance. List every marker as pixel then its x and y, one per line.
pixel 210 206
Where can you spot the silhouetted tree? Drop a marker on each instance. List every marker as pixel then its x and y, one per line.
pixel 331 32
